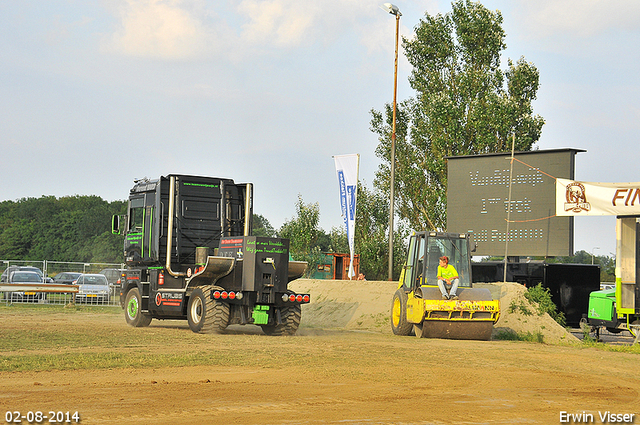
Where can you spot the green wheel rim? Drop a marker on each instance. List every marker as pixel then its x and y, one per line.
pixel 132 307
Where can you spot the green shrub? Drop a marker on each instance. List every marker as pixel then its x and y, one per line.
pixel 521 307
pixel 510 335
pixel 542 297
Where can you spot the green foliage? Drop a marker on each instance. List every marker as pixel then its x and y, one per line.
pixel 542 298
pixel 519 307
pixel 302 232
pixel 590 342
pixel 510 335
pixel 586 336
pixel 308 242
pixel 372 236
pixel 464 105
pixel 74 228
pixel 262 227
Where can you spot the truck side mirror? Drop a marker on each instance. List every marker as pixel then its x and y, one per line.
pixel 115 224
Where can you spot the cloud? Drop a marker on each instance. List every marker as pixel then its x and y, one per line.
pixel 238 31
pixel 164 29
pixel 283 22
pixel 188 29
pixel 579 18
pixel 292 23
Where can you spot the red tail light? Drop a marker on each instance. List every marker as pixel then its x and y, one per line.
pixel 224 295
pixel 292 297
pixel 299 298
pixel 160 278
pixel 216 295
pixel 232 295
pixel 306 298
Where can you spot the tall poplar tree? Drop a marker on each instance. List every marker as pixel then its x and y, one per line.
pixel 464 104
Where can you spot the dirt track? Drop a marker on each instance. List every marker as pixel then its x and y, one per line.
pixel 322 375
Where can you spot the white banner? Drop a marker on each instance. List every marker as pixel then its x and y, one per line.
pixel 347 171
pixel 575 198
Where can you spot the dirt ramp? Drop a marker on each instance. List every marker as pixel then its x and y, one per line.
pixel 346 304
pixel 365 305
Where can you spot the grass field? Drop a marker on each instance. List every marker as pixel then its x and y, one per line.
pixel 86 359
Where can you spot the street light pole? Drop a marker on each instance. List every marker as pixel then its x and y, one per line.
pixel 592 250
pixel 392 9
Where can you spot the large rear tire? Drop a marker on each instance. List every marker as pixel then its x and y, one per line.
pixel 133 310
pixel 205 314
pixel 290 321
pixel 399 324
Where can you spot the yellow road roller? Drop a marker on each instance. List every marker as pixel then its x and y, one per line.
pixel 419 306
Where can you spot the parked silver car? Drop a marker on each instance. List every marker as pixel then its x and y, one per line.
pixel 5 274
pixel 93 288
pixel 66 278
pixel 26 277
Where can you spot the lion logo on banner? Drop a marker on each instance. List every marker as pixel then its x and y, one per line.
pixel 576 198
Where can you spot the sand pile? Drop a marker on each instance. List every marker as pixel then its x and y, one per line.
pixel 347 304
pixel 517 314
pixel 365 305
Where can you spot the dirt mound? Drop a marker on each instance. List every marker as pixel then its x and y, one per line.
pixel 365 305
pixel 517 314
pixel 346 304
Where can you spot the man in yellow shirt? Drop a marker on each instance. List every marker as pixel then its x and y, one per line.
pixel 447 279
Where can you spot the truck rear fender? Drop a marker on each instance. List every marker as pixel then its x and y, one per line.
pixel 214 269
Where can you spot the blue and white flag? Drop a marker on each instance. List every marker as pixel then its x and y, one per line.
pixel 347 170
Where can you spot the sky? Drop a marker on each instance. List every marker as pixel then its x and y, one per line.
pixel 97 93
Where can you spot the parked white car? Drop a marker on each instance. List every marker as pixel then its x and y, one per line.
pixel 93 288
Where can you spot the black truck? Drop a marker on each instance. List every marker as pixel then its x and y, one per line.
pixel 190 255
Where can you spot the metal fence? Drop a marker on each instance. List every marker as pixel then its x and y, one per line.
pixel 51 291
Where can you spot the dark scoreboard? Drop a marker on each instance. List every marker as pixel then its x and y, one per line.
pixel 478 202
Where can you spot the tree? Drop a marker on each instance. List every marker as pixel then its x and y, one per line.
pixel 371 236
pixel 302 230
pixel 262 227
pixel 73 228
pixel 461 107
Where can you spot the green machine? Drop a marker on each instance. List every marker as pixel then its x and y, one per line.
pixel 619 309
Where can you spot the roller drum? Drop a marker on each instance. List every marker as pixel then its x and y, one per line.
pixel 456 329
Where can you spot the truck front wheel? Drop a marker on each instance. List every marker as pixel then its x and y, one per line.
pixel 204 314
pixel 133 310
pixel 290 320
